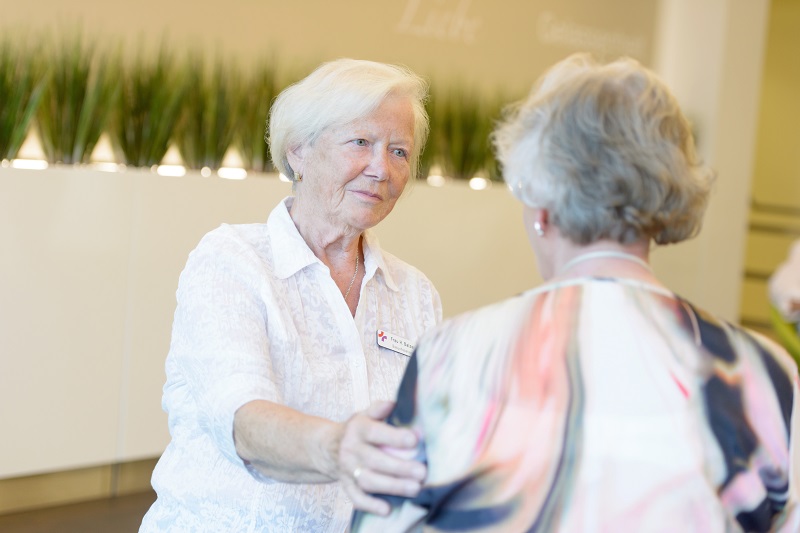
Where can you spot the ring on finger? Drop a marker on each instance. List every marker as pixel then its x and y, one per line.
pixel 357 473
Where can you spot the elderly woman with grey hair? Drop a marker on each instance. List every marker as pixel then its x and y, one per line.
pixel 600 401
pixel 290 336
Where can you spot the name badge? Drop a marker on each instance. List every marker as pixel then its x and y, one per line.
pixel 395 343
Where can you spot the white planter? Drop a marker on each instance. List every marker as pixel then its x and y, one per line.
pixel 90 265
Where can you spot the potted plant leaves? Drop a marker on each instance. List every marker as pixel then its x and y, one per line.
pixel 78 99
pixel 22 84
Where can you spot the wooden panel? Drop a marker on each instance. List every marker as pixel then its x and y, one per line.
pixel 755 302
pixel 133 477
pixel 70 486
pixel 58 488
pixel 765 251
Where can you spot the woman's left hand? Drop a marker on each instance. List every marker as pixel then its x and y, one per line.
pixel 374 457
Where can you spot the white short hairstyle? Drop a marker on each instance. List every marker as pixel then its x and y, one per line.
pixel 337 93
pixel 607 150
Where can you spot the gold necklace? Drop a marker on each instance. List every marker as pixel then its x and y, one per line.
pixel 352 280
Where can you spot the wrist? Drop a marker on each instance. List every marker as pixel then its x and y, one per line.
pixel 324 452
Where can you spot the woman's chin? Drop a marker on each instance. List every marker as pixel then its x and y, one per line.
pixel 367 219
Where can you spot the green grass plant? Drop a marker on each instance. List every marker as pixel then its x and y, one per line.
pixel 78 99
pixel 209 113
pixel 22 84
pixel 151 101
pixel 148 108
pixel 464 122
pixel 255 100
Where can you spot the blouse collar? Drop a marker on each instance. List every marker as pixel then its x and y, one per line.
pixel 291 253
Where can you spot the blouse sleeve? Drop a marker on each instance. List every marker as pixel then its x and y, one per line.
pixel 437 305
pixel 773 423
pixel 791 521
pixel 794 453
pixel 220 350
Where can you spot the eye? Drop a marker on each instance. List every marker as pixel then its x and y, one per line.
pixel 360 142
pixel 399 152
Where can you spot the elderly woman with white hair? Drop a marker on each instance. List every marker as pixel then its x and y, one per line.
pixel 291 336
pixel 600 401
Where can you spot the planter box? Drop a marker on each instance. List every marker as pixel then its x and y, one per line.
pixel 88 275
pixel 90 264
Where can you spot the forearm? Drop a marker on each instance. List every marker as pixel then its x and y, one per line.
pixel 285 444
pixel 289 446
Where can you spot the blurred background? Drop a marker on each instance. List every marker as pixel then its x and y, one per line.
pixel 130 129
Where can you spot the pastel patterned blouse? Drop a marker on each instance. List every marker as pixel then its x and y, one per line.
pixel 259 317
pixel 598 405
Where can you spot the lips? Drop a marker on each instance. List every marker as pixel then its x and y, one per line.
pixel 368 195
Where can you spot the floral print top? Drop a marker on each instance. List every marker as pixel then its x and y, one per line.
pixel 598 405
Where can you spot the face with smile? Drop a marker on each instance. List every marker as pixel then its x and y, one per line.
pixel 353 174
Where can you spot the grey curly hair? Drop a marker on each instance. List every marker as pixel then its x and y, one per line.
pixel 607 150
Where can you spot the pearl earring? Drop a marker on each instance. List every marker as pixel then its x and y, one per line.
pixel 298 177
pixel 537 227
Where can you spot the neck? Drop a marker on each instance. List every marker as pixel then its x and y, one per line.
pixel 332 244
pixel 611 259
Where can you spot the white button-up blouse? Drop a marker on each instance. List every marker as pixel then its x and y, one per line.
pixel 259 317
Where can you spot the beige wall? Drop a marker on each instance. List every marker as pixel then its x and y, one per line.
pixel 709 51
pixel 479 42
pixel 775 215
pixel 777 169
pixel 94 273
pixel 88 277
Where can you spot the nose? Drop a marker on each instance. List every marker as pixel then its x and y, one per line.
pixel 379 166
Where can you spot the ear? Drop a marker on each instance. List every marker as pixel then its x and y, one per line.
pixel 296 156
pixel 542 216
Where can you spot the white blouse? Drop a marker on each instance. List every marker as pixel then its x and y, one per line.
pixel 259 317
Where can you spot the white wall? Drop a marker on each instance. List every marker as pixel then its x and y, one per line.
pixel 711 52
pixel 89 268
pixel 90 261
pixel 475 43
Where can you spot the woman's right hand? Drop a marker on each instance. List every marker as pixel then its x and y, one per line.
pixel 374 457
pixel 364 453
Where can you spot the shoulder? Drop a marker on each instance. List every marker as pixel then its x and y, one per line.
pixel 232 237
pixel 410 285
pixel 403 272
pixel 463 365
pixel 728 340
pixel 768 348
pixel 411 289
pixel 232 243
pixel 229 251
pixel 732 344
pixel 484 330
